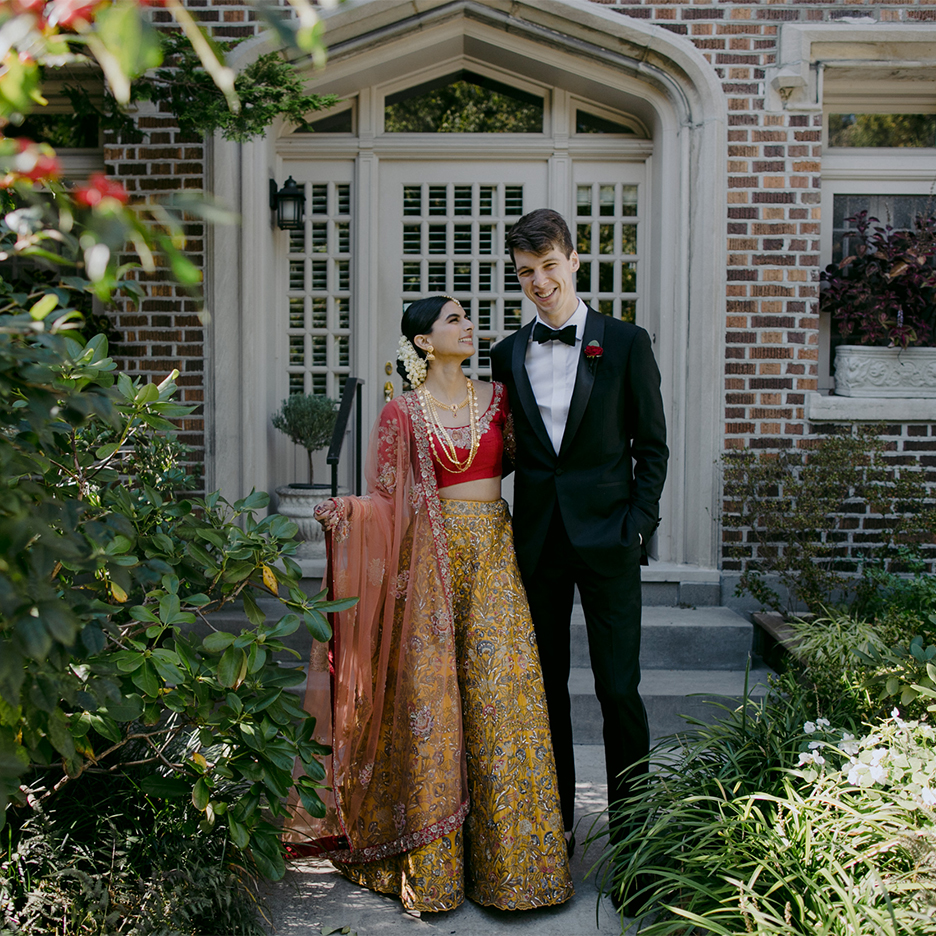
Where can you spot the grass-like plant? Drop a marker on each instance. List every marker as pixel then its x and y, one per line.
pixel 732 835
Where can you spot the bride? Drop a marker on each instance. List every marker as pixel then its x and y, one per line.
pixel 442 772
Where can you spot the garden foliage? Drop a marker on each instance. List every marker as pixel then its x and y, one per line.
pixel 115 688
pixel 884 291
pixel 790 514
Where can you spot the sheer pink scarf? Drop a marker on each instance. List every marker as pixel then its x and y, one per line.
pixel 387 698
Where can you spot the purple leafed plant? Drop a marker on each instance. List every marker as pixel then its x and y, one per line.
pixel 884 292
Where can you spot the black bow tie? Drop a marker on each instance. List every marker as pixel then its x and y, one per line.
pixel 542 333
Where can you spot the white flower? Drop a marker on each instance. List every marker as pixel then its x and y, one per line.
pixel 415 365
pixel 928 796
pixel 814 744
pixel 877 773
pixel 848 745
pixel 823 722
pixel 809 727
pixel 811 758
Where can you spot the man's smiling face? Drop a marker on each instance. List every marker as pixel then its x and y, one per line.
pixel 548 281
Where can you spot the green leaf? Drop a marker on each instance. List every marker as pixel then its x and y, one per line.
pixel 311 801
pixel 145 679
pixel 339 604
pixel 254 614
pixel 200 794
pixel 106 451
pixel 165 787
pixel 218 641
pixel 232 667
pixel 240 835
pixel 128 708
pixel 270 866
pixel 43 307
pixel 318 626
pixel 286 625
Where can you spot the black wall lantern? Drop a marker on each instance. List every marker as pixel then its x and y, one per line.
pixel 289 204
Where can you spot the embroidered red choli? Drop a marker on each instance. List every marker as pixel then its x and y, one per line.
pixel 489 458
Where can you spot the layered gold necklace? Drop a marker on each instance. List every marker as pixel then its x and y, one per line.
pixel 430 407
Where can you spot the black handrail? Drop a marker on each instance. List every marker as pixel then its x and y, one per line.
pixel 351 392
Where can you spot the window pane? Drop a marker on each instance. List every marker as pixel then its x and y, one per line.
pixel 462 197
pixel 628 277
pixel 629 201
pixel 319 203
pixel 629 238
pixel 462 235
pixel 513 200
pixel 411 239
pixel 320 312
pixel 898 211
pixel 297 313
pixel 412 199
pixel 606 238
pixel 901 130
pixel 297 274
pixel 583 199
pixel 436 238
pixel 463 102
pixel 583 238
pixel 590 123
pixel 320 237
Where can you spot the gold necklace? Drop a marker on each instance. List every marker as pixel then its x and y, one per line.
pixel 434 427
pixel 452 407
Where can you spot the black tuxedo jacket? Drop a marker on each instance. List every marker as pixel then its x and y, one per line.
pixel 608 475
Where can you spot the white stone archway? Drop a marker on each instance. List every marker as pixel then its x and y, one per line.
pixel 570 44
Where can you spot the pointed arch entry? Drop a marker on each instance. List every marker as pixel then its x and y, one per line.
pixel 630 151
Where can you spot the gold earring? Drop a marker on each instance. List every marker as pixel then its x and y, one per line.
pixel 429 355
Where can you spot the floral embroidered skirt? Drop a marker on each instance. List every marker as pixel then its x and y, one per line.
pixel 511 852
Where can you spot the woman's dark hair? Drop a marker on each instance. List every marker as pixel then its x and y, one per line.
pixel 418 319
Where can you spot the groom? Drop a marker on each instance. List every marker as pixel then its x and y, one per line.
pixel 590 464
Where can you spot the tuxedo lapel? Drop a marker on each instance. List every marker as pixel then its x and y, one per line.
pixel 525 388
pixel 584 379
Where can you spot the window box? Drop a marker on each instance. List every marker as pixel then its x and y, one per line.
pixel 867 371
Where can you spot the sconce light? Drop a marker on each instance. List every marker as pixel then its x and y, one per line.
pixel 289 204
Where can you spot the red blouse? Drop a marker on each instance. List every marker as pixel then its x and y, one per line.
pixel 489 457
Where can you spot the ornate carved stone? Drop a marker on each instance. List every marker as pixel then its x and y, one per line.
pixel 863 371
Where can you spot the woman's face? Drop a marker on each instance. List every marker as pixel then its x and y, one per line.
pixel 452 334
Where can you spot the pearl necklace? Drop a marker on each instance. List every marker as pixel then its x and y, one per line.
pixel 434 427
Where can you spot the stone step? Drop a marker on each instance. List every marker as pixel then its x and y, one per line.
pixel 707 638
pixel 670 695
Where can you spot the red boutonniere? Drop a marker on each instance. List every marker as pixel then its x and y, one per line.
pixel 593 353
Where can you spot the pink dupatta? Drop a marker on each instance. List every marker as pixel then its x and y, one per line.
pixel 387 699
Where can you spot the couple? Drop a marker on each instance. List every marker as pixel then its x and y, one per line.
pixel 444 782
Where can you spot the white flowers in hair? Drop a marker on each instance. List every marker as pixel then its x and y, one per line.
pixel 414 364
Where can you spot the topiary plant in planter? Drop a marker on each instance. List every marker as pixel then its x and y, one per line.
pixel 882 296
pixel 309 421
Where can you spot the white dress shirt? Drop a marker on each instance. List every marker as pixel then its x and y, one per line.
pixel 551 367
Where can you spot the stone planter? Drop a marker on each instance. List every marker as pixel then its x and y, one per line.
pixel 865 371
pixel 298 502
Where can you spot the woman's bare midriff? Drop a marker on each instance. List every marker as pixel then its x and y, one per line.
pixel 484 489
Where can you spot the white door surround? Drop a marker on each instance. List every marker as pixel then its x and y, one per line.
pixel 581 52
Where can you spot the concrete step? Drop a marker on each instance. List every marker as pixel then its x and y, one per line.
pixel 707 638
pixel 670 695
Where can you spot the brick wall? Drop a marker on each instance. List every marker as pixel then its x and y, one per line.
pixel 167 330
pixel 772 235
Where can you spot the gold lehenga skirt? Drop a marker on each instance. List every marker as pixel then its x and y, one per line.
pixel 511 852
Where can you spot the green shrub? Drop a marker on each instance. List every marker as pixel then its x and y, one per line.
pixel 107 858
pixel 791 513
pixel 102 575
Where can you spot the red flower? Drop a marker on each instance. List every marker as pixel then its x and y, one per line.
pixel 72 14
pixel 593 350
pixel 98 188
pixel 45 167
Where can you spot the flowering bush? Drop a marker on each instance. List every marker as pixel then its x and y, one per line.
pixel 884 293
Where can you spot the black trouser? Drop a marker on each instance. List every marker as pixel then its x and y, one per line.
pixel 612 618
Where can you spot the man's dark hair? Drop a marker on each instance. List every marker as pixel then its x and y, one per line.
pixel 539 232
